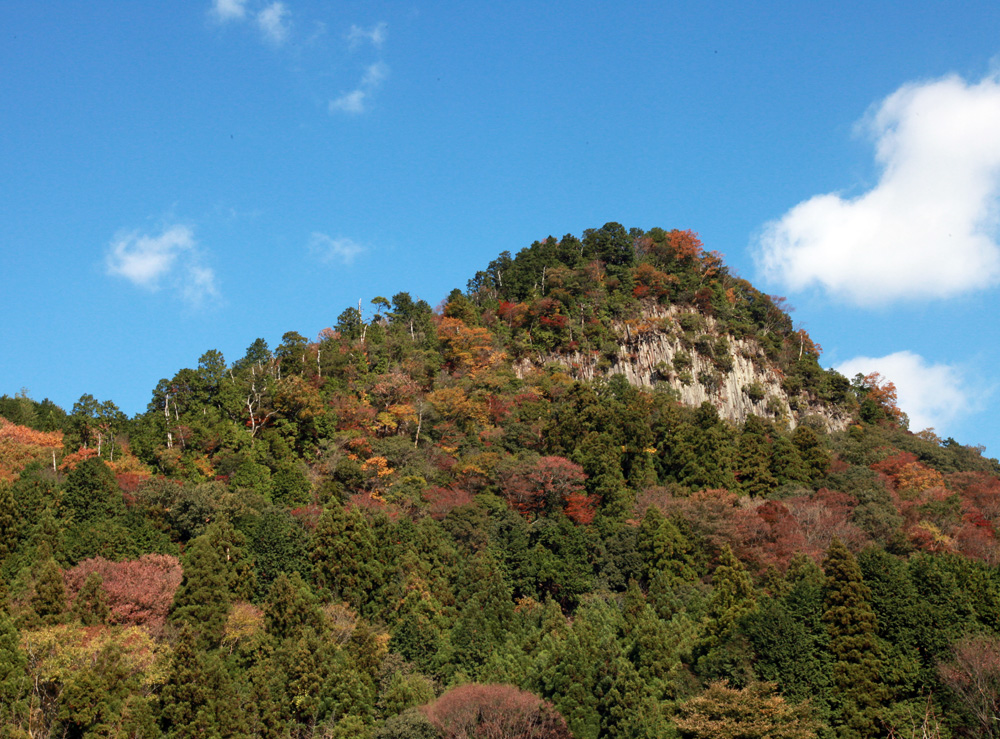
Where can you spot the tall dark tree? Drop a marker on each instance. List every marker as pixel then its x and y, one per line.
pixel 486 615
pixel 9 527
pixel 91 493
pixel 197 699
pixel 291 609
pixel 202 600
pixel 345 556
pixel 858 690
pixel 91 606
pixel 49 598
pixel 754 459
pixel 15 685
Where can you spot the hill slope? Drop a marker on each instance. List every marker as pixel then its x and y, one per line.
pixel 609 474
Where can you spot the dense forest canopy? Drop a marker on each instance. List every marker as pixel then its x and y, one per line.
pixel 387 531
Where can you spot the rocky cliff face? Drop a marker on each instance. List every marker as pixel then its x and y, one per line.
pixel 668 347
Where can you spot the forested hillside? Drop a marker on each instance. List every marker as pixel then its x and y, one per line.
pixel 606 491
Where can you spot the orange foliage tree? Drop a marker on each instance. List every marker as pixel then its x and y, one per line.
pixel 20 446
pixel 879 400
pixel 495 712
pixel 467 350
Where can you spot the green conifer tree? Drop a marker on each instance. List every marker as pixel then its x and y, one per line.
pixel 787 466
pixel 665 551
pixel 92 698
pixel 345 556
pixel 754 459
pixel 486 616
pixel 202 600
pixel 419 625
pixel 90 493
pixel 91 606
pixel 291 609
pixel 49 598
pixel 9 522
pixel 15 685
pixel 138 720
pixel 231 545
pixel 814 457
pixel 197 700
pixel 733 594
pixel 857 689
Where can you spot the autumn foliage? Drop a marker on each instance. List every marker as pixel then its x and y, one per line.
pixel 546 485
pixel 477 711
pixel 20 446
pixel 139 592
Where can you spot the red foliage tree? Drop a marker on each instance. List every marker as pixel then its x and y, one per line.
pixel 712 514
pixel 685 245
pixel 476 711
pixel 547 485
pixel 139 591
pixel 974 676
pixel 442 500
pixel 823 516
pixel 766 535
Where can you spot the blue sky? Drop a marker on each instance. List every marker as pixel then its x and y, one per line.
pixel 185 176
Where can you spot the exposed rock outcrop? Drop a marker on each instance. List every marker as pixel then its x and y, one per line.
pixel 732 374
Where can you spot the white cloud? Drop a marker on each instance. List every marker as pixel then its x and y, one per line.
pixel 144 260
pixel 375 34
pixel 328 249
pixel 273 22
pixel 229 10
pixel 350 102
pixel 932 395
pixel 375 75
pixel 356 101
pixel 930 225
pixel 170 259
pixel 197 285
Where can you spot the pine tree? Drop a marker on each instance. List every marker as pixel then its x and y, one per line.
pixel 91 493
pixel 291 609
pixel 857 691
pixel 486 616
pixel 9 527
pixel 15 686
pixel 90 606
pixel 49 599
pixel 137 720
pixel 92 698
pixel 202 600
pixel 232 548
pixel 419 624
pixel 197 699
pixel 345 555
pixel 732 593
pixel 665 551
pixel 815 458
pixel 786 462
pixel 894 601
pixel 753 460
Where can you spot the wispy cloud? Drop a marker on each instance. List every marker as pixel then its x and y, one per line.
pixel 356 101
pixel 932 395
pixel 375 35
pixel 172 260
pixel 327 249
pixel 350 102
pixel 274 23
pixel 929 228
pixel 229 10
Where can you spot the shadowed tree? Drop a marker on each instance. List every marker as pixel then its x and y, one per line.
pixel 850 621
